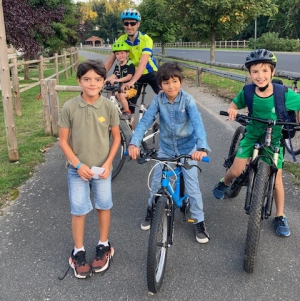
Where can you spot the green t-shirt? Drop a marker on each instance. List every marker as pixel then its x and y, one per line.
pixel 264 108
pixel 89 128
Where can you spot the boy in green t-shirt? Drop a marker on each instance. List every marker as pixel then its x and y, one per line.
pixel 261 65
pixel 86 122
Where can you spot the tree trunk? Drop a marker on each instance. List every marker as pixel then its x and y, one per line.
pixel 26 70
pixel 163 48
pixel 213 44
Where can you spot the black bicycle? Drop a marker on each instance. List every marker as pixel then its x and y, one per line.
pixel 150 138
pixel 259 176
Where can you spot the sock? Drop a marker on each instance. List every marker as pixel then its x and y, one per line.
pixel 105 243
pixel 78 250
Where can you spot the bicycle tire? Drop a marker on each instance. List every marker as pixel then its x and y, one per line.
pixel 295 144
pixel 119 158
pixel 236 185
pixel 254 223
pixel 158 246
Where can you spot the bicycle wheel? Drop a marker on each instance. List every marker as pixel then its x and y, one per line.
pixel 119 159
pixel 157 246
pixel 236 185
pixel 295 144
pixel 258 197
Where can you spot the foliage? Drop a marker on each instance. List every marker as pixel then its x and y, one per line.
pixel 158 21
pixel 271 41
pixel 27 27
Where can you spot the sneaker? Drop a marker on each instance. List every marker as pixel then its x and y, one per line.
pixel 126 115
pixel 145 225
pixel 103 257
pixel 281 226
pixel 220 190
pixel 202 235
pixel 78 263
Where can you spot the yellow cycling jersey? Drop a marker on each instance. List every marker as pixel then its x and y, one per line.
pixel 143 44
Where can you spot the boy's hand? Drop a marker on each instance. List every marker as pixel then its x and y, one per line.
pixel 85 172
pixel 106 171
pixel 133 151
pixel 198 155
pixel 232 113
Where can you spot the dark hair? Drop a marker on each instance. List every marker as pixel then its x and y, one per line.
pixel 96 65
pixel 169 70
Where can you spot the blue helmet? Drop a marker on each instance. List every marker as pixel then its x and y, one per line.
pixel 131 13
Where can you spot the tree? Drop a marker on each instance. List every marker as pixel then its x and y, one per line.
pixel 218 19
pixel 157 21
pixel 27 28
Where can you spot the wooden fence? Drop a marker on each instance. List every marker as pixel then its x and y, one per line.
pixel 69 60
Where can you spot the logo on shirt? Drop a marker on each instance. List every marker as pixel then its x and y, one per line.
pixel 101 119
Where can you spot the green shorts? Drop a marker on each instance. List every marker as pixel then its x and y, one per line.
pixel 246 147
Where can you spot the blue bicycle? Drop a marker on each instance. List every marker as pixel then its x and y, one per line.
pixel 170 197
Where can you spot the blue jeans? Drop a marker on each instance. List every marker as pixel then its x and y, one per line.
pixel 191 186
pixel 79 193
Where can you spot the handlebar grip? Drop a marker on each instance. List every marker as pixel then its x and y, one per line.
pixel 206 159
pixel 126 153
pixel 224 113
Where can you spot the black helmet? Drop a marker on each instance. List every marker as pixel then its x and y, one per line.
pixel 260 56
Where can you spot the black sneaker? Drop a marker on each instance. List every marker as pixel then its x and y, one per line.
pixel 202 235
pixel 103 258
pixel 220 190
pixel 79 264
pixel 125 115
pixel 145 225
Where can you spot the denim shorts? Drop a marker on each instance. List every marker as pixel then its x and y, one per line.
pixel 80 193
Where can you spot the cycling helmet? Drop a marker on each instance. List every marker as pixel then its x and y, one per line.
pixel 120 46
pixel 260 56
pixel 131 13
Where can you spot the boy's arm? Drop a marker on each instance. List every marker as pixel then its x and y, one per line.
pixel 83 170
pixel 125 78
pixel 112 78
pixel 232 111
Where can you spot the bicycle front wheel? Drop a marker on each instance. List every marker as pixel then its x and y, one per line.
pixel 236 185
pixel 261 181
pixel 119 159
pixel 157 246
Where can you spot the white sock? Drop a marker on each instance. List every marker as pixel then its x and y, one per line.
pixel 105 243
pixel 77 250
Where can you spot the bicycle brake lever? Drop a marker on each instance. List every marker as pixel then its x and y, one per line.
pixel 187 166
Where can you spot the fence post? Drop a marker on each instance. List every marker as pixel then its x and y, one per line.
pixel 71 63
pixel 46 109
pixel 16 89
pixel 41 67
pixel 54 107
pixel 65 64
pixel 56 67
pixel 199 76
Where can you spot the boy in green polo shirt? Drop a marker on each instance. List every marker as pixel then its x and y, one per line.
pixel 86 122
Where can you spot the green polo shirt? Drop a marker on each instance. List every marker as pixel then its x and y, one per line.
pixel 89 128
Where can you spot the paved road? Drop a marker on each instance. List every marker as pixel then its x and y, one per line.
pixel 286 61
pixel 35 238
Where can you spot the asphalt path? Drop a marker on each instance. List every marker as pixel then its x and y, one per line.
pixel 36 241
pixel 287 61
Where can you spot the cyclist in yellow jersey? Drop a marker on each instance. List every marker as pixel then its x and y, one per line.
pixel 141 53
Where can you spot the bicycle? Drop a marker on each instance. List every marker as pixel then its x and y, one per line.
pixel 296 139
pixel 259 177
pixel 170 197
pixel 126 129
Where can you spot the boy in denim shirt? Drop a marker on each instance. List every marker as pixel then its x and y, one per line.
pixel 181 132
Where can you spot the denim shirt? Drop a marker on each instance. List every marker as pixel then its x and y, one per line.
pixel 181 126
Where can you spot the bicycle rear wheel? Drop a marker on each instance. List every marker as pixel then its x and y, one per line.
pixel 236 185
pixel 258 198
pixel 119 159
pixel 158 246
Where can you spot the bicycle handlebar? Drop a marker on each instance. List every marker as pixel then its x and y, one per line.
pixel 244 118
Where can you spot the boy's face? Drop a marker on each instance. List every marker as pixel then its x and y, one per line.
pixel 171 87
pixel 91 84
pixel 261 74
pixel 121 55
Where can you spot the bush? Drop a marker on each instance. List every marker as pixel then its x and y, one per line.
pixel 272 42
